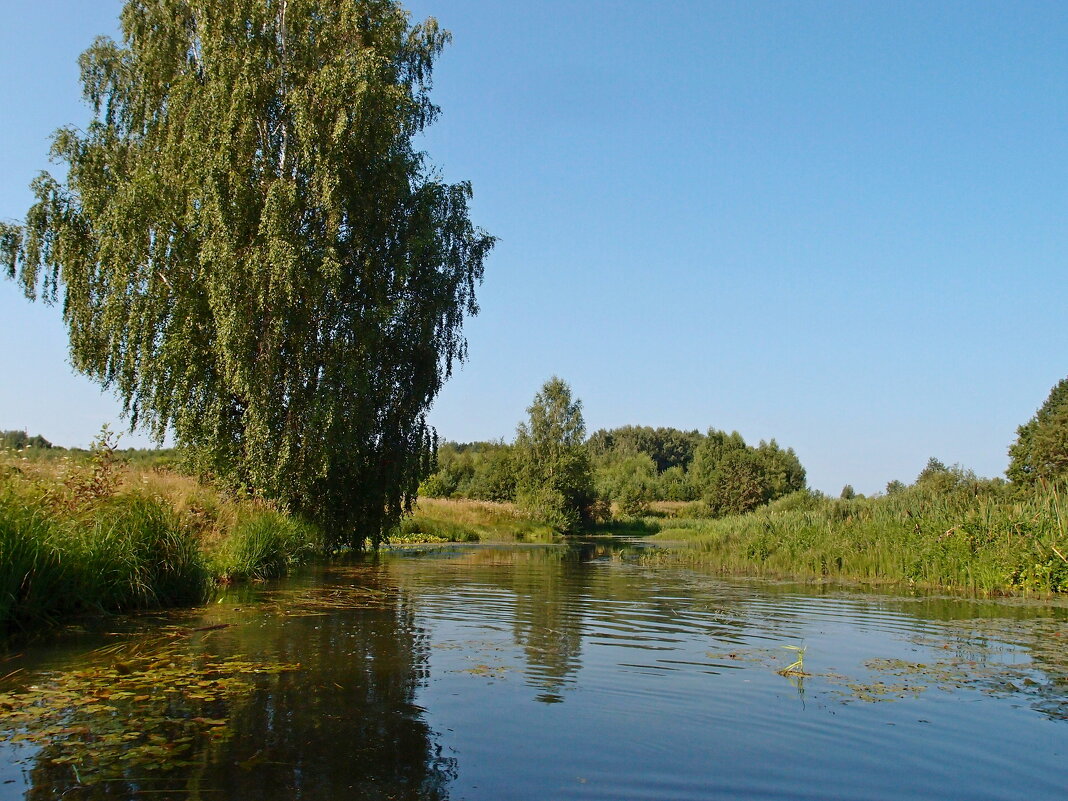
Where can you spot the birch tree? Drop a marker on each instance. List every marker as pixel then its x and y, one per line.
pixel 248 248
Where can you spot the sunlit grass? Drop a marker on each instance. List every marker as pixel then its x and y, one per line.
pixel 441 520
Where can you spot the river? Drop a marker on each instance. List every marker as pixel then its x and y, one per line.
pixel 544 672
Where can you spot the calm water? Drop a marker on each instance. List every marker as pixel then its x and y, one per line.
pixel 556 673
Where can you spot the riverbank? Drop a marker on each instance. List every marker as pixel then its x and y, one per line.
pixel 90 533
pixel 96 532
pixel 462 520
pixel 986 541
pixel 980 538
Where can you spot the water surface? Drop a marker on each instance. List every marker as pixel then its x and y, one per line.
pixel 546 672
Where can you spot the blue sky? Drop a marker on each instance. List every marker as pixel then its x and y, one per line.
pixel 841 225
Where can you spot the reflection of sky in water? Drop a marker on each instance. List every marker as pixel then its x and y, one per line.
pixel 13 781
pixel 672 692
pixel 524 675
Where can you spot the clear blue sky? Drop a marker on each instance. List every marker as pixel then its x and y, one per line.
pixel 841 225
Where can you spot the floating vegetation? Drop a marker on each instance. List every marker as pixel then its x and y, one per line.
pixel 764 656
pixel 999 656
pixel 313 601
pixel 880 691
pixel 487 671
pixel 137 710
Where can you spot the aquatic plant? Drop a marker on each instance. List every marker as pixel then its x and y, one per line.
pixel 797 667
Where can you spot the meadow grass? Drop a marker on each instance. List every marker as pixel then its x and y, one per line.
pixel 449 520
pixel 986 541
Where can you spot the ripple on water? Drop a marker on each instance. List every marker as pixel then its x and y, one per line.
pixel 530 674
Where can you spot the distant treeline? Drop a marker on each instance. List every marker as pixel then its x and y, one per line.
pixel 20 440
pixel 15 440
pixel 635 465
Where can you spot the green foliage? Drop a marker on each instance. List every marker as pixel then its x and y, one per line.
pixel 733 478
pixel 674 485
pixel 847 493
pixel 495 476
pixel 554 482
pixel 479 470
pixel 628 479
pixel 252 253
pixel 710 452
pixel 667 447
pixel 738 484
pixel 801 500
pixel 634 465
pixel 781 469
pixel 1040 452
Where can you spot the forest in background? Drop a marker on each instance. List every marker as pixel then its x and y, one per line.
pixel 717 473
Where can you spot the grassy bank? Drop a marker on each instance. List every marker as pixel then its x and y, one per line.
pixel 90 533
pixel 441 520
pixel 977 540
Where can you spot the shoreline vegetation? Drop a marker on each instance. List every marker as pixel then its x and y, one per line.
pixel 85 532
pixel 88 533
pixel 973 539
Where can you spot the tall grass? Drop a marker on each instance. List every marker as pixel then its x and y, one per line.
pixel 90 534
pixel 130 552
pixel 265 545
pixel 982 540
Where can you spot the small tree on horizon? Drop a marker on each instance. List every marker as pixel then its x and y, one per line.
pixel 554 482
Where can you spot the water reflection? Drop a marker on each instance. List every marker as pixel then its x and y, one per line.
pixel 556 601
pixel 570 672
pixel 346 724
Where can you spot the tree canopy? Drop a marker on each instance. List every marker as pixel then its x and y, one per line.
pixel 17 440
pixel 249 249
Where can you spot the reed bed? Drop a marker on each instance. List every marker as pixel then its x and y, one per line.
pixel 987 540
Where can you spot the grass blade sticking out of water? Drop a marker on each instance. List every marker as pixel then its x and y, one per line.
pixel 796 668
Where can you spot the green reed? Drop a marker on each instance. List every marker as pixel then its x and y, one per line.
pixel 986 540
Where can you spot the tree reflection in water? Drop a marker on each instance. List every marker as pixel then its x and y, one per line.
pixel 345 725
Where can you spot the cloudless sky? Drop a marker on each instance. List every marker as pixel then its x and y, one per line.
pixel 838 224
